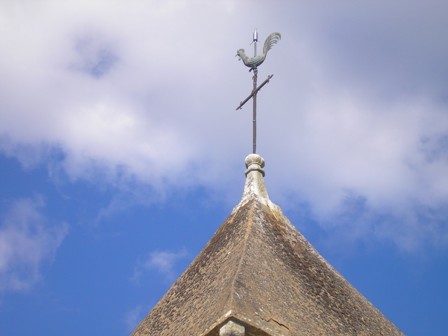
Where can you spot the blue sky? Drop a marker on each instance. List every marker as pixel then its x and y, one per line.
pixel 121 151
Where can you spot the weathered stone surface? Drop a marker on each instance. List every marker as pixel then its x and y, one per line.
pixel 232 328
pixel 260 271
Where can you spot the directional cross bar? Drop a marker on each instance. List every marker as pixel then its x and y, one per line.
pixel 254 92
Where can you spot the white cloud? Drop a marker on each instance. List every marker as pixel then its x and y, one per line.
pixel 163 262
pixel 133 317
pixel 27 241
pixel 147 90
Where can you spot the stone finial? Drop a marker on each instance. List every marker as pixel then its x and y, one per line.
pixel 254 186
pixel 232 328
pixel 254 162
pixel 254 177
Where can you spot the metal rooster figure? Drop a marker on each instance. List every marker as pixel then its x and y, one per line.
pixel 253 63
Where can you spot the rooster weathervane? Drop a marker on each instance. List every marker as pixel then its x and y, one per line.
pixel 253 63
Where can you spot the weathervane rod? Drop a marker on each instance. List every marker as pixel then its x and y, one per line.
pixel 254 100
pixel 253 63
pixel 254 113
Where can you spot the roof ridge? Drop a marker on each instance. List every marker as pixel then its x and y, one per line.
pixel 243 251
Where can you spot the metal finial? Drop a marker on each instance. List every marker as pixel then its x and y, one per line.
pixel 255 36
pixel 254 41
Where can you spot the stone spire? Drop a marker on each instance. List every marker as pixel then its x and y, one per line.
pixel 258 276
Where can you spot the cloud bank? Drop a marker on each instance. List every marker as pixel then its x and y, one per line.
pixel 353 124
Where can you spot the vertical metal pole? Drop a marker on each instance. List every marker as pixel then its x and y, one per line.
pixel 254 98
pixel 254 114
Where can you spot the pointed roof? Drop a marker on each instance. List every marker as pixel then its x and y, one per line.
pixel 261 273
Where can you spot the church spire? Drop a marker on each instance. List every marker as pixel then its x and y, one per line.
pixel 259 276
